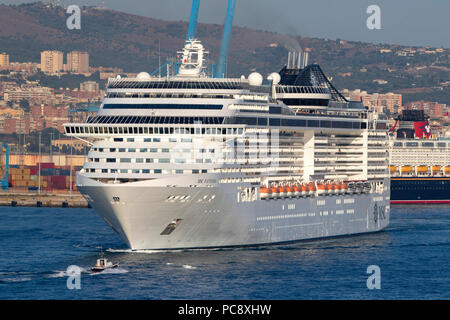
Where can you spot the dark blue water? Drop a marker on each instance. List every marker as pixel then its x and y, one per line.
pixel 38 244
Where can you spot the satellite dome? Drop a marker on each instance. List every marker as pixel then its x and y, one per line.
pixel 118 76
pixel 255 79
pixel 143 76
pixel 275 77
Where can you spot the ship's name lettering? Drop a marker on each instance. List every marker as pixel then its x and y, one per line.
pixel 206 181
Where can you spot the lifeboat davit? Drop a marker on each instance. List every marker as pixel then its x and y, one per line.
pixel 367 186
pixel 351 187
pixel 321 189
pixel 359 187
pixel 265 193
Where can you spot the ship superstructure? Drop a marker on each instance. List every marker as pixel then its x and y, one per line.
pixel 192 162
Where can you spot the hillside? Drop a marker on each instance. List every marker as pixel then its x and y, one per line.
pixel 116 39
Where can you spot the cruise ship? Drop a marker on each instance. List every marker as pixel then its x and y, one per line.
pixel 419 164
pixel 189 161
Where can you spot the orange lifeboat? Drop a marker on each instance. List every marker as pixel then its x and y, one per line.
pixel 392 169
pixel 282 191
pixel 344 187
pixel 436 168
pixel 305 190
pixel 274 192
pixel 335 187
pixel 312 189
pixel 289 191
pixel 265 193
pixel 339 188
pixel 321 189
pixel 407 169
pixel 422 169
pixel 297 190
pixel 447 169
pixel 329 188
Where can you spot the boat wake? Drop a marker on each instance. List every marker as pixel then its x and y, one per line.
pixel 147 251
pixel 186 266
pixel 110 271
pixel 61 274
pixel 15 279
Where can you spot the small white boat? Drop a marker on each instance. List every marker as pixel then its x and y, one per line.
pixel 103 264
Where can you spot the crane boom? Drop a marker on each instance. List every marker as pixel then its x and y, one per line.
pixel 193 20
pixel 221 68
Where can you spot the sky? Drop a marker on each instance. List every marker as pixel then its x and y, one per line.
pixel 404 22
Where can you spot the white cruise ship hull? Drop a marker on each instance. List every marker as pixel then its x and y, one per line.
pixel 210 217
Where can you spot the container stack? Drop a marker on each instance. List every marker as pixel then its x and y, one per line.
pixel 26 178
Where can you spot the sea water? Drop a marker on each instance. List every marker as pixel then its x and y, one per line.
pixel 37 245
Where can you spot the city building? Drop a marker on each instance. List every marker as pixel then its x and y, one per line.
pixel 27 67
pixel 4 60
pixel 31 93
pixel 89 86
pixel 433 109
pixel 75 143
pixel 78 62
pixel 376 101
pixel 51 62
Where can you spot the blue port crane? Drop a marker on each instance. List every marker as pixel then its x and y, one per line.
pixel 4 179
pixel 222 65
pixel 193 20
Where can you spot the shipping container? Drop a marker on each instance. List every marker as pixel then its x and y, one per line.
pixel 47 165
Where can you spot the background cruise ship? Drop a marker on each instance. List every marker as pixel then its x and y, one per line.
pixel 190 161
pixel 419 166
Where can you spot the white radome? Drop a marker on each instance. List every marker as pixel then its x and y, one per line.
pixel 143 76
pixel 255 79
pixel 275 77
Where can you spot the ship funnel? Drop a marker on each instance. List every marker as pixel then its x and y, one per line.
pixel 305 58
pixel 298 59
